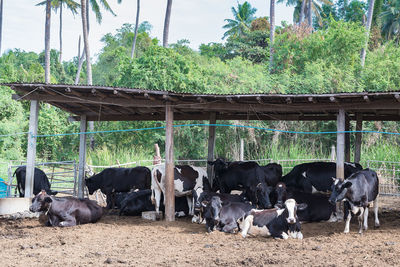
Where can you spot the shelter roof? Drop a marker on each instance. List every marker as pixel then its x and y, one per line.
pixel 104 103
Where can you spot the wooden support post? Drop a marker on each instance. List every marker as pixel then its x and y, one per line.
pixel 31 152
pixel 241 149
pixel 357 146
pixel 340 145
pixel 347 140
pixel 169 165
pixel 82 157
pixel 211 146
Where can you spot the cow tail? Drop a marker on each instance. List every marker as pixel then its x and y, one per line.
pixel 153 199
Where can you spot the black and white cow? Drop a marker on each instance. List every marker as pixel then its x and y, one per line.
pixel 187 180
pixel 278 223
pixel 358 191
pixel 242 175
pixel 113 180
pixel 40 181
pixel 316 177
pixel 318 206
pixel 223 216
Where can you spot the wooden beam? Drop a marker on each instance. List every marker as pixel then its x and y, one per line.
pixel 122 94
pixel 169 165
pixel 147 96
pixel 211 147
pixel 230 100
pixel 259 100
pixel 357 146
pixel 82 157
pixel 170 98
pixel 347 140
pixel 96 92
pixel 31 151
pixel 201 100
pixel 340 145
pixel 311 99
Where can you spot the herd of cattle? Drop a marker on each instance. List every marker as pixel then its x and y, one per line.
pixel 268 204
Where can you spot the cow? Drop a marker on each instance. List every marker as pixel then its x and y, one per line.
pixel 137 202
pixel 314 177
pixel 41 182
pixel 223 216
pixel 358 191
pixel 188 181
pixel 318 206
pixel 273 173
pixel 278 223
pixel 66 211
pixel 247 176
pixel 112 180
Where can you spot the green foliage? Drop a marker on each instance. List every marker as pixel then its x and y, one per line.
pixel 243 15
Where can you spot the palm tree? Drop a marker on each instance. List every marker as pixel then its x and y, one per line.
pixel 303 7
pixel 367 27
pixel 166 23
pixel 1 21
pixel 271 35
pixel 47 43
pixel 136 28
pixel 390 18
pixel 58 4
pixel 86 41
pixel 243 16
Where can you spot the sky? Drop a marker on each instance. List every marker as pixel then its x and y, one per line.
pixel 199 21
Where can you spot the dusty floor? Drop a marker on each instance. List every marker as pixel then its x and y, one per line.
pixel 118 241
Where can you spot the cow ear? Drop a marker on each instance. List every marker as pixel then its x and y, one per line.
pixel 259 185
pixel 204 203
pixel 210 162
pixel 48 200
pixel 43 192
pixel 334 179
pixel 301 206
pixel 347 184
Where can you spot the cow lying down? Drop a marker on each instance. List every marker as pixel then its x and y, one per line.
pixel 66 211
pixel 278 223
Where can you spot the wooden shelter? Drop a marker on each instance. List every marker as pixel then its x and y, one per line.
pixel 102 103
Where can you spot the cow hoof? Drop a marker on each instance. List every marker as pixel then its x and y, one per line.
pixel 377 226
pixel 346 231
pixel 299 235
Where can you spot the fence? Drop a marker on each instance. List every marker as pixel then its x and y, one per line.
pixel 389 176
pixel 62 176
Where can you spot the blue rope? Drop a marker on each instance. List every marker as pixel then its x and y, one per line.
pixel 14 134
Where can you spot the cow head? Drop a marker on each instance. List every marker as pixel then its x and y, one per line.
pixel 262 192
pixel 281 195
pixel 212 208
pixel 220 165
pixel 90 184
pixel 290 210
pixel 41 202
pixel 339 190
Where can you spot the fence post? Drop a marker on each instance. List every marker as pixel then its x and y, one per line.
pixel 75 174
pixel 241 149
pixel 333 153
pixel 82 157
pixel 169 196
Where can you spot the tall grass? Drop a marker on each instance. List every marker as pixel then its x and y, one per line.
pixel 105 156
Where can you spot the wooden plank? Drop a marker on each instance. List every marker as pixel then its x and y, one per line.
pixel 169 164
pixel 347 140
pixel 211 147
pixel 82 157
pixel 340 144
pixel 31 151
pixel 357 146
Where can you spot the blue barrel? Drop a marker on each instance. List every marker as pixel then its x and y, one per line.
pixel 3 189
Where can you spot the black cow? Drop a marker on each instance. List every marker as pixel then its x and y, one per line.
pixel 316 177
pixel 358 191
pixel 66 211
pixel 273 173
pixel 318 206
pixel 119 180
pixel 41 182
pixel 247 176
pixel 278 223
pixel 136 202
pixel 223 216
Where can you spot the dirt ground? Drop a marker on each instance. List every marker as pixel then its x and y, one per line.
pixel 129 241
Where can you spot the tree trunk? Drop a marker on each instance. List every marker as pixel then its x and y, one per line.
pixel 1 21
pixel 86 42
pixel 80 61
pixel 60 58
pixel 271 35
pixel 166 23
pixel 367 28
pixel 302 11
pixel 309 14
pixel 136 29
pixel 47 43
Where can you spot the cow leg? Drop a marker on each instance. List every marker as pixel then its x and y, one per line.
pixel 248 221
pixel 70 221
pixel 339 212
pixel 360 220
pixel 190 201
pixel 365 224
pixel 348 218
pixel 157 196
pixel 376 213
pixel 229 228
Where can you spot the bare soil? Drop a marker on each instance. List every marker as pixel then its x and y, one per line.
pixel 119 241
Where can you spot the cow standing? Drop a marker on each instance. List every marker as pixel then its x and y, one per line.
pixel 40 181
pixel 188 181
pixel 113 180
pixel 358 191
pixel 66 211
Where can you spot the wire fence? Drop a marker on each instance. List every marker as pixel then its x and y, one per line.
pixel 63 175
